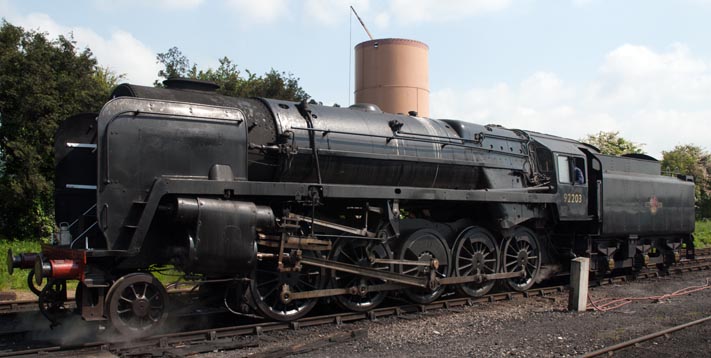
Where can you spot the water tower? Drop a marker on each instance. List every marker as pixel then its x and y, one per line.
pixel 393 74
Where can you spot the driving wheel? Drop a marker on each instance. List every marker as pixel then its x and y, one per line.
pixel 475 253
pixel 521 252
pixel 358 252
pixel 268 282
pixel 136 304
pixel 423 246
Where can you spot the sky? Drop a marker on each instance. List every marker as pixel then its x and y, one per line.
pixel 563 67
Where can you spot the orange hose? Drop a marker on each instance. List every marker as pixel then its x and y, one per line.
pixel 609 304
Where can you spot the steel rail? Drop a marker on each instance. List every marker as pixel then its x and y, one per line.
pixel 216 335
pixel 18 306
pixel 648 337
pixel 9 307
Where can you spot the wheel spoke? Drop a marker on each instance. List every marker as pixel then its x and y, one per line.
pixel 480 247
pixel 307 284
pixel 529 273
pixel 270 292
pixel 362 253
pixel 262 284
pixel 267 272
pixel 348 257
pixel 464 248
pixel 466 266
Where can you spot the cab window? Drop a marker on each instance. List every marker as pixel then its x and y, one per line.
pixel 563 170
pixel 579 171
pixel 571 170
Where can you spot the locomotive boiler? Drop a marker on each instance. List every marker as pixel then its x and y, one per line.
pixel 275 205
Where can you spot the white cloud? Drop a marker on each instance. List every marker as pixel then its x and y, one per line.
pixel 331 12
pixel 259 11
pixel 636 75
pixel 379 14
pixel 417 11
pixel 382 20
pixel 659 98
pixel 120 52
pixel 544 89
pixel 170 5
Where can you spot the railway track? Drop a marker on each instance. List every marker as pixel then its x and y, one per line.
pixel 225 338
pixel 620 346
pixel 8 307
pixel 17 306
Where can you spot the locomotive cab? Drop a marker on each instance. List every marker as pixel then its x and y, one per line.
pixel 572 187
pixel 567 167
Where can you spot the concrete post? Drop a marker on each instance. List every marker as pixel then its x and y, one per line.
pixel 579 271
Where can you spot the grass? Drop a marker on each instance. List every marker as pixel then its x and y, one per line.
pixel 168 275
pixel 18 280
pixel 702 235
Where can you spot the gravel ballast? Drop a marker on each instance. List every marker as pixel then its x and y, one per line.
pixel 533 327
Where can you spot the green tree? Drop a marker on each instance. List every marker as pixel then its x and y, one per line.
pixel 42 82
pixel 232 81
pixel 611 143
pixel 693 160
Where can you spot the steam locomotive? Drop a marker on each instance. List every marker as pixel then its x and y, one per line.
pixel 275 205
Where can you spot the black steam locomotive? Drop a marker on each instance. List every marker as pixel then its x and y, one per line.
pixel 274 205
